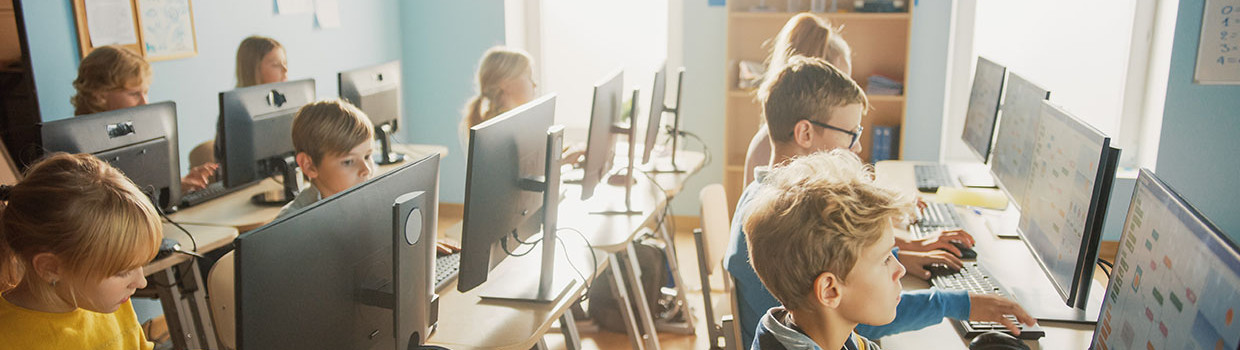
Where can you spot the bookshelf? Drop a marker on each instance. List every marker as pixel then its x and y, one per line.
pixel 880 44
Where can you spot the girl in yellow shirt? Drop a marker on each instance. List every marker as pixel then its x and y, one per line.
pixel 74 235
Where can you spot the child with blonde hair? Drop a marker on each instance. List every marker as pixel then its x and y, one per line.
pixel 504 81
pixel 261 60
pixel 110 78
pixel 74 235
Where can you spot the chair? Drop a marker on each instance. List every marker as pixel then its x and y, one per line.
pixel 203 153
pixel 711 239
pixel 223 301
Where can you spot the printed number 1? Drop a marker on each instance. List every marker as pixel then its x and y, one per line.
pixel 1220 61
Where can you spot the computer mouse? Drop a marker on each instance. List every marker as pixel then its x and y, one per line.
pixel 965 252
pixel 993 340
pixel 939 270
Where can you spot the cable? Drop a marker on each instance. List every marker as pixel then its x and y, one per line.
pixel 593 257
pixel 1107 267
pixel 504 244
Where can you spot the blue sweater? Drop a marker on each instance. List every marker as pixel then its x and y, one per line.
pixel 917 309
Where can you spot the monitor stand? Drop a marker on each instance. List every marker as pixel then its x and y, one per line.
pixel 627 177
pixel 1050 307
pixel 977 180
pixel 287 167
pixel 518 284
pixel 386 155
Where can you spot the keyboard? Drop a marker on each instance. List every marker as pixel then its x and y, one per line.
pixel 212 191
pixel 938 216
pixel 447 267
pixel 931 176
pixel 974 279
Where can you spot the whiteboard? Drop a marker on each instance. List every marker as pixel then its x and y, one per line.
pixel 1218 54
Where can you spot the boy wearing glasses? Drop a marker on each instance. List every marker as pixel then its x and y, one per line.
pixel 810 106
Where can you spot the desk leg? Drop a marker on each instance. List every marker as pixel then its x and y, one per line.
pixel 685 325
pixel 568 326
pixel 633 273
pixel 185 307
pixel 626 306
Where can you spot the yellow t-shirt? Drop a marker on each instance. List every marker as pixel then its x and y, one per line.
pixel 26 329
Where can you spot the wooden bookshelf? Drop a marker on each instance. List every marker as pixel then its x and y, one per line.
pixel 880 43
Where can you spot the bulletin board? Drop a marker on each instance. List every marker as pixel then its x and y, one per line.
pixel 156 29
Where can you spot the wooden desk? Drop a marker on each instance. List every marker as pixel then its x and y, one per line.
pixel 236 210
pixel 1005 258
pixel 178 284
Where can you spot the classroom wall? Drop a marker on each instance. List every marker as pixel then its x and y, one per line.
pixel 1198 145
pixel 442 42
pixel 369 34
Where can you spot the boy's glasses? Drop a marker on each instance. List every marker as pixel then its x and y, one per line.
pixel 856 135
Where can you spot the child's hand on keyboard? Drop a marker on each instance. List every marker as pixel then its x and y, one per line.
pixel 994 308
pixel 445 246
pixel 198 177
pixel 915 262
pixel 941 240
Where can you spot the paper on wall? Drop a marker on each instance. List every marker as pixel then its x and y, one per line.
pixel 293 6
pixel 327 12
pixel 110 22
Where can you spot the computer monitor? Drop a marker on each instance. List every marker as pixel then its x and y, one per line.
pixel 602 135
pixel 1069 188
pixel 257 137
pixel 511 190
pixel 1176 278
pixel 979 119
pixel 376 91
pixel 139 141
pixel 1013 150
pixel 654 122
pixel 352 271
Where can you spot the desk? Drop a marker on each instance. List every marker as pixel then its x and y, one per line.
pixel 176 281
pixel 236 210
pixel 521 325
pixel 1017 262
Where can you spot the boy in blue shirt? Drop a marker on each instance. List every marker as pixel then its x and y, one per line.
pixel 811 106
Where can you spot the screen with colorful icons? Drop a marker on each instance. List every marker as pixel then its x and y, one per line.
pixel 1176 280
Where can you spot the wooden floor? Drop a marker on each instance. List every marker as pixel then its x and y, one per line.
pixel 591 338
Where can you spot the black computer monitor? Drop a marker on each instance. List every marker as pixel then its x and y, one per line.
pixel 602 134
pixel 654 121
pixel 257 137
pixel 979 119
pixel 352 271
pixel 376 91
pixel 139 141
pixel 1069 188
pixel 1176 278
pixel 511 190
pixel 1014 144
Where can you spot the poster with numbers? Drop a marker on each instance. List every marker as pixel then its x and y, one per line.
pixel 1218 56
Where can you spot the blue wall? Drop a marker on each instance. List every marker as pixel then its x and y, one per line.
pixel 369 34
pixel 1197 152
pixel 705 45
pixel 442 43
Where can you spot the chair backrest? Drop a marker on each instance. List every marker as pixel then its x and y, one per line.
pixel 221 282
pixel 202 153
pixel 715 223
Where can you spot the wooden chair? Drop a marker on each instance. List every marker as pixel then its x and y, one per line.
pixel 222 300
pixel 203 153
pixel 711 240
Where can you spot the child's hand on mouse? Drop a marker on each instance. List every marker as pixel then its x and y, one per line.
pixel 915 262
pixel 939 240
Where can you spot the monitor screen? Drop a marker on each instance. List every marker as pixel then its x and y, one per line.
pixel 375 90
pixel 655 120
pixel 258 124
pixel 503 152
pixel 1013 151
pixel 979 119
pixel 140 141
pixel 343 273
pixel 1069 183
pixel 1176 280
pixel 601 139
